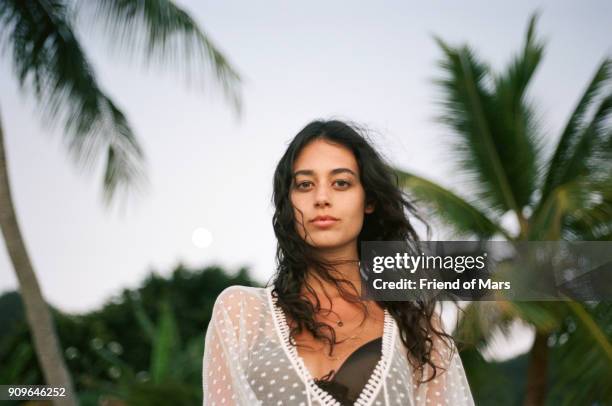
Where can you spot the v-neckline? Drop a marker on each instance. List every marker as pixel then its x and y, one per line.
pixel 375 381
pixel 351 355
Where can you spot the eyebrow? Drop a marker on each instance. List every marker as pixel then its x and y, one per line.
pixel 310 172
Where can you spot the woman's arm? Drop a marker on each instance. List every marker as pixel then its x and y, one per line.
pixel 223 378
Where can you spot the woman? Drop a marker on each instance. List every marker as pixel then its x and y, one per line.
pixel 308 339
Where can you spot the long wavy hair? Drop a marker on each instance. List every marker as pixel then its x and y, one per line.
pixel 388 222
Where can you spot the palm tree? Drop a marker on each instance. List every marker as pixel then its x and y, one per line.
pixel 50 63
pixel 562 195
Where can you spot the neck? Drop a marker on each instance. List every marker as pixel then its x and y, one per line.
pixel 345 266
pixel 348 271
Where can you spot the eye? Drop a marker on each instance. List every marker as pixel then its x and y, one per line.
pixel 343 183
pixel 302 185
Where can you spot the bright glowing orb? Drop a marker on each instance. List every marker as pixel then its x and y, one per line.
pixel 201 237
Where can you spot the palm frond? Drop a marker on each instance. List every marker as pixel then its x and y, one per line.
pixel 572 143
pixel 583 159
pixel 48 60
pixel 479 321
pixel 523 66
pixel 592 158
pixel 513 120
pixel 581 355
pixel 544 316
pixel 579 209
pixel 168 35
pixel 468 107
pixel 546 223
pixel 461 215
pixel 598 336
pixel 593 222
pixel 499 141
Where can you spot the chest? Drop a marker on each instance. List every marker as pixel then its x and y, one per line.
pixel 350 337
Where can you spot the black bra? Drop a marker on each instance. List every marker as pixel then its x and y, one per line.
pixel 353 374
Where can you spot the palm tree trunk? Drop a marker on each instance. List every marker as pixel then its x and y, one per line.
pixel 537 372
pixel 36 309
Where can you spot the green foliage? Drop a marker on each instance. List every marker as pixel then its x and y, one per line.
pixel 166 34
pixel 587 381
pixel 496 141
pixel 498 147
pixel 463 216
pixel 49 62
pixel 571 382
pixel 157 394
pixel 145 345
pixel 174 371
pixel 494 383
pixel 12 312
pixel 165 344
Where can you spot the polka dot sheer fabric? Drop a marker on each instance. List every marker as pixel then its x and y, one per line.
pixel 248 360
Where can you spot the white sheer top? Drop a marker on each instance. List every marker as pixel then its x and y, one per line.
pixel 248 360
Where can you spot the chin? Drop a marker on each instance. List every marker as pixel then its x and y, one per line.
pixel 328 243
pixel 323 246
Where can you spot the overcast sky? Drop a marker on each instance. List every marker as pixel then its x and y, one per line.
pixel 371 62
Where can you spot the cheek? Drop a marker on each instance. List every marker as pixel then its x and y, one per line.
pixel 354 204
pixel 298 207
pixel 353 212
pixel 298 215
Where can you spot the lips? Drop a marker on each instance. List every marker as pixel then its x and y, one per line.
pixel 324 221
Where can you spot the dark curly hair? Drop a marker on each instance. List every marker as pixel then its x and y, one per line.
pixel 388 222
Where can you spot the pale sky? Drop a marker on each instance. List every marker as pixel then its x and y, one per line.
pixel 370 62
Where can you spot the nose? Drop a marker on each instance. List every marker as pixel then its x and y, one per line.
pixel 322 197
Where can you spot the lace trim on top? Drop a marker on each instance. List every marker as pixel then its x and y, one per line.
pixel 374 384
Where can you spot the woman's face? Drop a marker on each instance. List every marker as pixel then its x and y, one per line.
pixel 327 196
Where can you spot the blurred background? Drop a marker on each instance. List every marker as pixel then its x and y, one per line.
pixel 138 142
